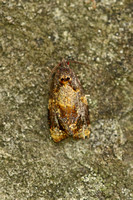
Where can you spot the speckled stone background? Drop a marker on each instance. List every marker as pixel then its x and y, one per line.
pixel 34 36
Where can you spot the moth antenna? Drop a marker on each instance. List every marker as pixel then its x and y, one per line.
pixel 82 63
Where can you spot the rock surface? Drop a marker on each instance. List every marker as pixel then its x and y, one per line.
pixel 34 37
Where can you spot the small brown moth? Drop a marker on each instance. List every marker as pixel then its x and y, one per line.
pixel 68 111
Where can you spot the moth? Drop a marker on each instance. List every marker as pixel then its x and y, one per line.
pixel 68 112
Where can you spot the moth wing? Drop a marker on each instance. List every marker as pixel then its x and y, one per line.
pixel 57 133
pixel 83 122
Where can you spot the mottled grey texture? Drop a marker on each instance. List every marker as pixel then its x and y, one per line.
pixel 34 37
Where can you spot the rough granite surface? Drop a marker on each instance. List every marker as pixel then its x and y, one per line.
pixel 34 36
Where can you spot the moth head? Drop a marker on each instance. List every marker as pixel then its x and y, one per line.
pixel 64 64
pixel 65 73
pixel 65 79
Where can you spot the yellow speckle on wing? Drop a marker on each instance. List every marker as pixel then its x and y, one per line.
pixel 84 100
